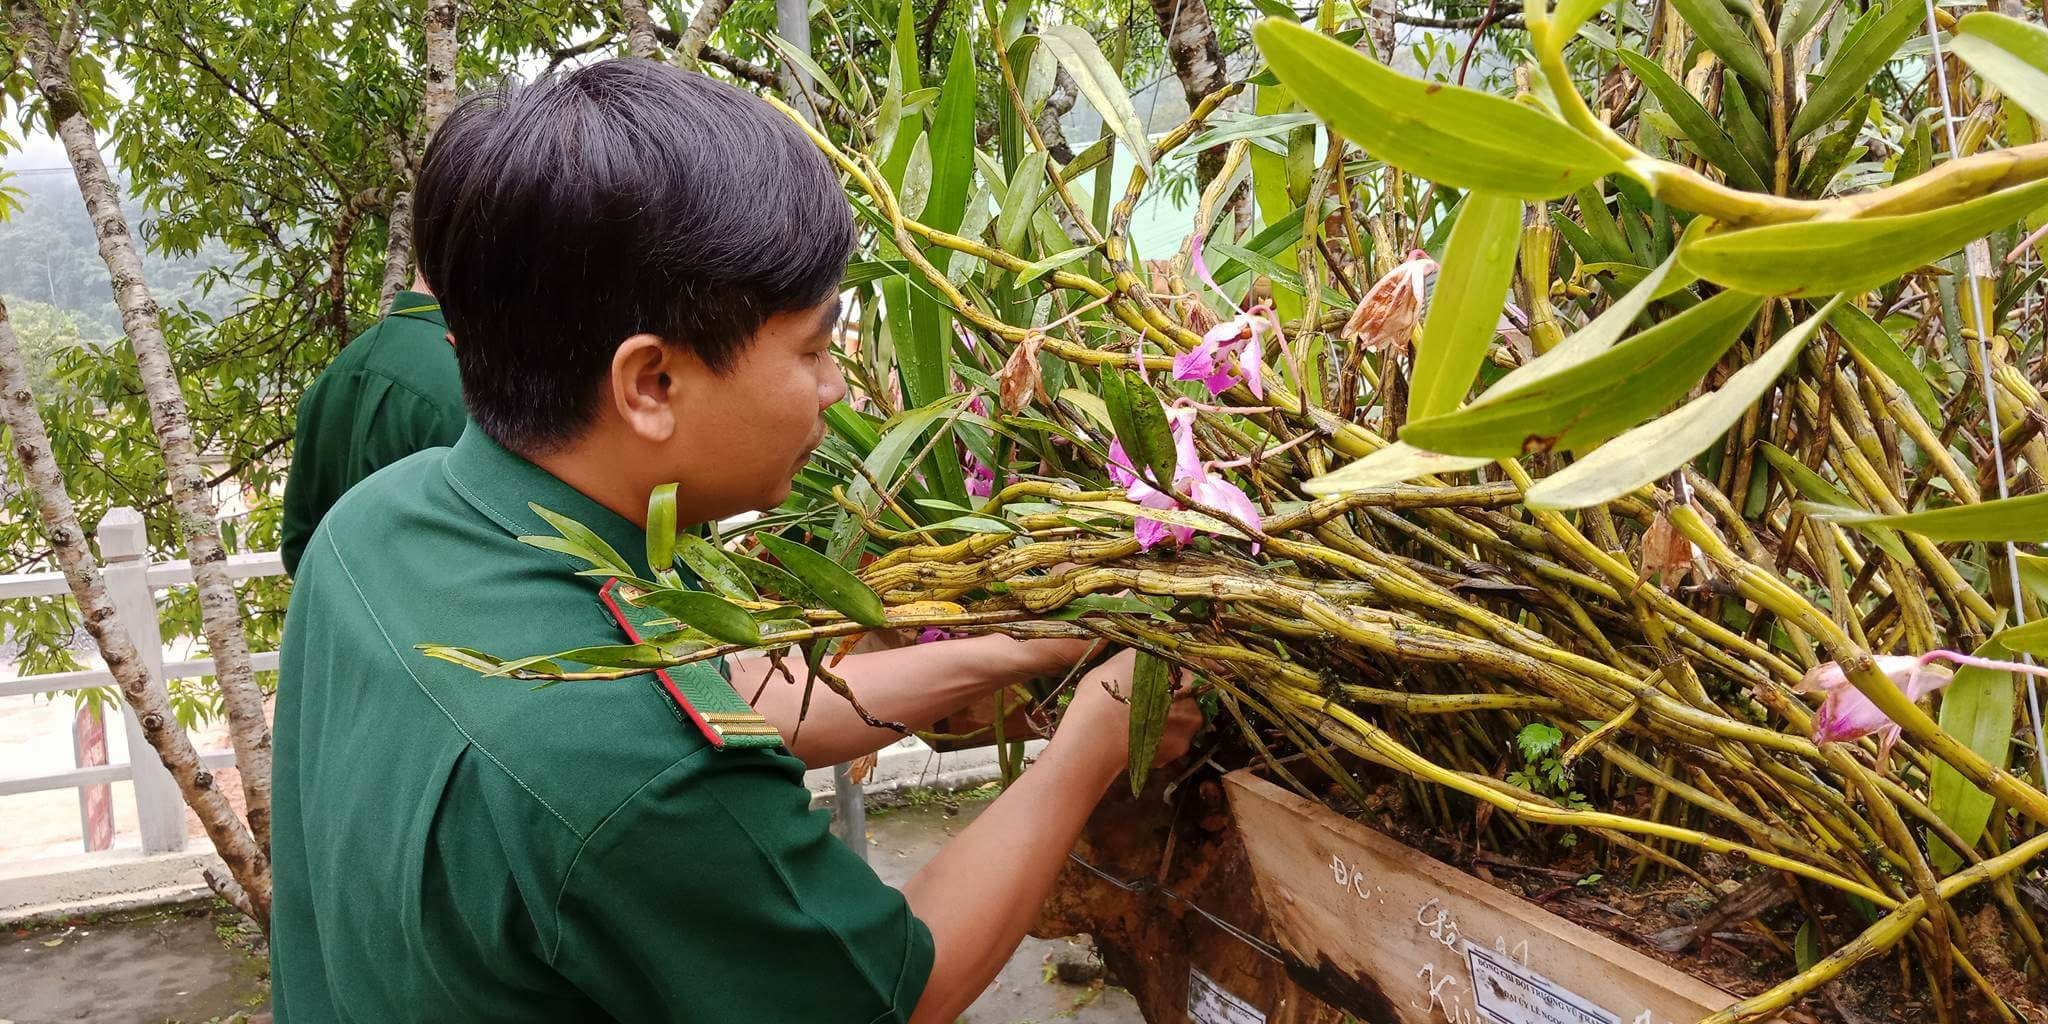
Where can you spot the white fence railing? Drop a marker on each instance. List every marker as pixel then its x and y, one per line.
pixel 132 582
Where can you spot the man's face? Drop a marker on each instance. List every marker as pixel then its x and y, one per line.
pixel 745 433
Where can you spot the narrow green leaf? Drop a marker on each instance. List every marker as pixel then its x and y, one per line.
pixel 1015 14
pixel 1260 263
pixel 952 146
pixel 1716 27
pixel 1141 425
pixel 1580 407
pixel 1570 15
pixel 1977 709
pixel 2011 54
pixel 1456 136
pixel 2021 520
pixel 1662 445
pixel 1869 339
pixel 1051 263
pixel 1151 699
pixel 1169 516
pixel 1098 81
pixel 1700 128
pixel 1396 463
pixel 1597 336
pixel 715 568
pixel 1849 73
pixel 581 542
pixel 661 531
pixel 1815 488
pixel 1256 127
pixel 1813 258
pixel 1020 201
pixel 2031 638
pixel 1806 946
pixel 803 61
pixel 475 661
pixel 840 589
pixel 774 579
pixel 2034 575
pixel 715 616
pixel 1471 288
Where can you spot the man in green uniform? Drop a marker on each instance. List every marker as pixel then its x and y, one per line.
pixel 393 391
pixel 640 265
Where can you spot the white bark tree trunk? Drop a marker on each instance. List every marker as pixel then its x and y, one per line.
pixel 640 40
pixel 441 50
pixel 220 611
pixel 702 24
pixel 248 886
pixel 398 230
pixel 1197 60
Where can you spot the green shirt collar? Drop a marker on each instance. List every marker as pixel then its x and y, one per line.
pixel 418 307
pixel 502 485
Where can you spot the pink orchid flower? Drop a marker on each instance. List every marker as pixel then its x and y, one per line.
pixel 933 634
pixel 1231 351
pixel 1845 714
pixel 981 480
pixel 1190 477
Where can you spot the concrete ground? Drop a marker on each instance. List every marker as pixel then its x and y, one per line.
pixel 192 965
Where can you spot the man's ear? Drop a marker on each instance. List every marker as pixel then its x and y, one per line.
pixel 645 386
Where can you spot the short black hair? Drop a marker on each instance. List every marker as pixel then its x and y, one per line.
pixel 556 219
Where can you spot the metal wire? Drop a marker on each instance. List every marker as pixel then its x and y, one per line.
pixel 1146 885
pixel 1984 326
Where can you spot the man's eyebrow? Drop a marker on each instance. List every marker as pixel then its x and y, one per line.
pixel 830 320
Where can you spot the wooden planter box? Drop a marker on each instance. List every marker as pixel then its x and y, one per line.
pixel 1393 936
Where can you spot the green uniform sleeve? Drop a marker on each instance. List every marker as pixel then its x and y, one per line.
pixel 716 894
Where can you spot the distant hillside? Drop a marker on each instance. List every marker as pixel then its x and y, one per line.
pixel 53 258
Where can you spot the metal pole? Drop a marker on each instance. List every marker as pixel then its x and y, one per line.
pixel 793 24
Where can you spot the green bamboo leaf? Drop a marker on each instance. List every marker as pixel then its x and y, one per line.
pixel 1641 455
pixel 1699 128
pixel 713 566
pixel 2021 520
pixel 1463 313
pixel 840 589
pixel 1815 488
pixel 1051 263
pixel 1098 81
pixel 714 616
pixel 1716 27
pixel 774 579
pixel 2009 53
pixel 1169 516
pixel 1027 187
pixel 1449 134
pixel 661 531
pixel 803 61
pixel 1869 339
pixel 1141 425
pixel 1151 699
pixel 1396 463
pixel 1600 334
pixel 1977 709
pixel 952 147
pixel 579 541
pixel 1580 407
pixel 1813 258
pixel 1850 71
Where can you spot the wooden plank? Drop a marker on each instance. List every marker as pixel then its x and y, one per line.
pixel 1401 938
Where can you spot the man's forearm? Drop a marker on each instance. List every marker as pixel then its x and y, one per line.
pixel 982 892
pixel 912 685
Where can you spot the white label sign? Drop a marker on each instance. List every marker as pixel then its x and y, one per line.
pixel 1508 993
pixel 1209 1003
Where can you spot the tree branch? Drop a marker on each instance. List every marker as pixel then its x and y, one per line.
pixel 690 45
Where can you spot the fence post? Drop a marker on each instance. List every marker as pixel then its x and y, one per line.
pixel 124 543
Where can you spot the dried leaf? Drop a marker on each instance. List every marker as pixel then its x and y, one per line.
pixel 1021 377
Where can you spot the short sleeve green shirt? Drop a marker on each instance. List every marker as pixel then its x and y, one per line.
pixel 392 391
pixel 448 847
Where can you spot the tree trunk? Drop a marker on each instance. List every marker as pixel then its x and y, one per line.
pixel 1197 60
pixel 441 51
pixel 702 24
pixel 248 886
pixel 639 28
pixel 398 230
pixel 220 612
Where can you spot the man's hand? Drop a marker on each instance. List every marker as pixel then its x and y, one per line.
pixel 1099 723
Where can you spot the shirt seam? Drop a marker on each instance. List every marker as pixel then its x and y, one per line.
pixel 398 383
pixel 369 610
pixel 569 873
